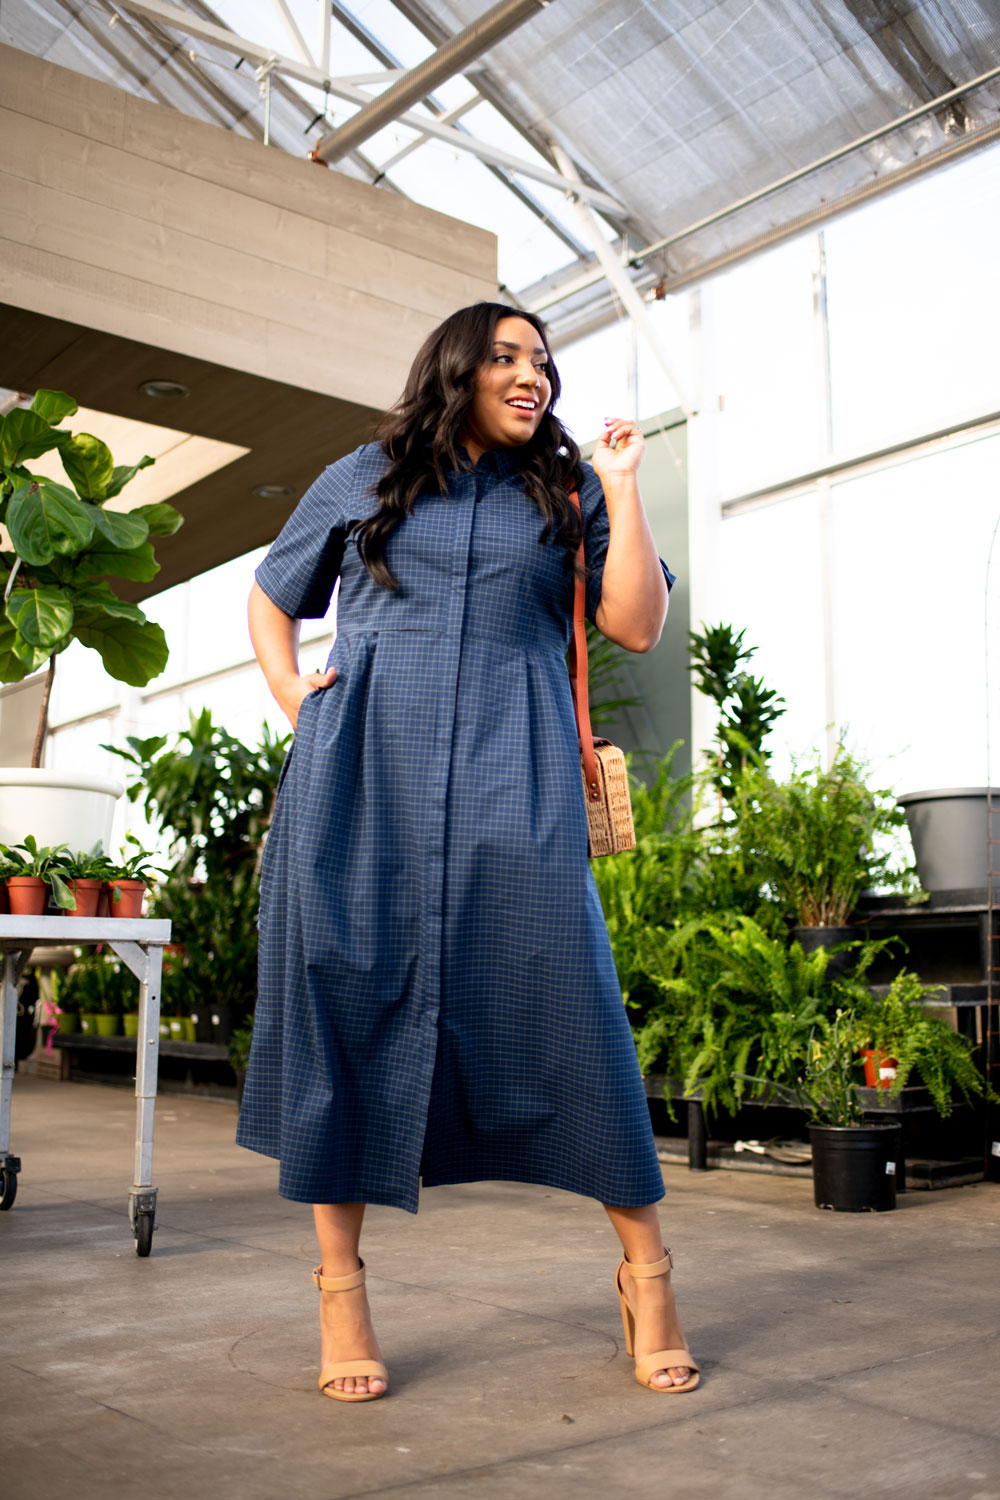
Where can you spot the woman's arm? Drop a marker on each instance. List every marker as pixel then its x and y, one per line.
pixel 634 593
pixel 275 637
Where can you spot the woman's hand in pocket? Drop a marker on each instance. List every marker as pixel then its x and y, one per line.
pixel 294 689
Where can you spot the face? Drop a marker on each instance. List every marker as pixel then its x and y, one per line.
pixel 512 390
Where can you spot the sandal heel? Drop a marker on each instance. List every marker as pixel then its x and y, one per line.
pixel 663 1359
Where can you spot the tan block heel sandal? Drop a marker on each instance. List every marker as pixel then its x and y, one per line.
pixel 372 1368
pixel 662 1359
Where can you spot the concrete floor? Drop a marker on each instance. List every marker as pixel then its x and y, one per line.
pixel 843 1355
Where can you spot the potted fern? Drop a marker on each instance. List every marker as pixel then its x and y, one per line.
pixel 61 544
pixel 915 1045
pixel 819 839
pixel 853 1162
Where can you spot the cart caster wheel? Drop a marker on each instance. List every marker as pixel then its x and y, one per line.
pixel 8 1187
pixel 143 1233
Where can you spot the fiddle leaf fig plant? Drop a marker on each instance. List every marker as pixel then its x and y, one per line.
pixel 61 546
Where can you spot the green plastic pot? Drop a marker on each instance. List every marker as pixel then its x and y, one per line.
pixel 88 1023
pixel 69 1022
pixel 130 1021
pixel 108 1025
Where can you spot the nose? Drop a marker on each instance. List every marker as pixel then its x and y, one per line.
pixel 529 375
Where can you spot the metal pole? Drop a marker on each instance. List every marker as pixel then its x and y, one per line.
pixel 499 21
pixel 618 276
pixel 820 162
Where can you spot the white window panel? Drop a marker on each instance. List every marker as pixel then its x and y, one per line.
pixel 772 588
pixel 909 569
pixel 770 385
pixel 914 318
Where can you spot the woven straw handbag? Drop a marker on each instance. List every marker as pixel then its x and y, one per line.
pixel 606 795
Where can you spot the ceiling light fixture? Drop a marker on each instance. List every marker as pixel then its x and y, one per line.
pixel 164 390
pixel 273 491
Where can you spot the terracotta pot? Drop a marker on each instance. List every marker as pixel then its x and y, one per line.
pixel 880 1069
pixel 28 895
pixel 88 896
pixel 129 903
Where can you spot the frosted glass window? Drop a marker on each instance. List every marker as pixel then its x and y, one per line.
pixel 909 554
pixel 595 381
pixel 769 371
pixel 914 316
pixel 771 586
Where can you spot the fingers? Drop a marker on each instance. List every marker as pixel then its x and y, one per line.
pixel 317 680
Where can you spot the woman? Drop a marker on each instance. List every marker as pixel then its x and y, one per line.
pixel 437 992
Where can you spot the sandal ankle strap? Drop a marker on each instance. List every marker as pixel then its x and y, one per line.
pixel 339 1283
pixel 653 1268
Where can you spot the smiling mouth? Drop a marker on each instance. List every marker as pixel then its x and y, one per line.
pixel 523 405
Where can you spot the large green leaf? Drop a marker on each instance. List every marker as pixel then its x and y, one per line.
pixel 123 530
pixel 102 559
pixel 161 518
pixel 42 615
pixel 98 595
pixel 47 518
pixel 31 657
pixel 89 464
pixel 25 434
pixel 123 474
pixel 12 668
pixel 53 405
pixel 131 652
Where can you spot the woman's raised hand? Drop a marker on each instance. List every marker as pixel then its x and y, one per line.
pixel 626 456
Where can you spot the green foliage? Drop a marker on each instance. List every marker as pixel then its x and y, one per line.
pixel 735 1000
pixel 62 539
pixel 922 1045
pixel 49 863
pixel 96 983
pixel 824 1087
pixel 93 864
pixel 818 839
pixel 135 866
pixel 239 1045
pixel 213 795
pixel 747 709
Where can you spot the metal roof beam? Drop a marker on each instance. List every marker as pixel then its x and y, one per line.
pixel 228 41
pixel 451 58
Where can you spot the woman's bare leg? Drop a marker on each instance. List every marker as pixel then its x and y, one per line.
pixel 657 1325
pixel 346 1330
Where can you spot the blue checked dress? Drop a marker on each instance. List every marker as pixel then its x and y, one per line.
pixel 437 997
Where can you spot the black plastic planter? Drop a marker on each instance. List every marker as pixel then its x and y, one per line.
pixel 854 1167
pixel 812 938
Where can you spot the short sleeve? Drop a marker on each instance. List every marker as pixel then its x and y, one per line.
pixel 302 566
pixel 596 532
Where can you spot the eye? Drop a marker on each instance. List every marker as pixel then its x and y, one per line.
pixel 498 357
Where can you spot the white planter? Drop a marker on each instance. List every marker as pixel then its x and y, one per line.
pixel 58 807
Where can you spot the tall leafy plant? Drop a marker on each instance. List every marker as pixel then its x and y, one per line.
pixel 213 795
pixel 821 837
pixel 747 709
pixel 64 543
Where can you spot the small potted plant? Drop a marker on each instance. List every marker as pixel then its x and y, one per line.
pixel 820 838
pixel 39 872
pixel 67 1002
pixel 853 1162
pixel 85 876
pixel 896 1030
pixel 128 880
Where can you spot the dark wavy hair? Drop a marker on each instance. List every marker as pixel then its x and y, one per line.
pixel 421 436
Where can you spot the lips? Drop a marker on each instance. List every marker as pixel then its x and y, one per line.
pixel 521 403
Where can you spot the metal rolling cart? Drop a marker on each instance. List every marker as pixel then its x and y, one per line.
pixel 138 942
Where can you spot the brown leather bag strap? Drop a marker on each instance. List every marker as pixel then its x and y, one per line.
pixel 578 669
